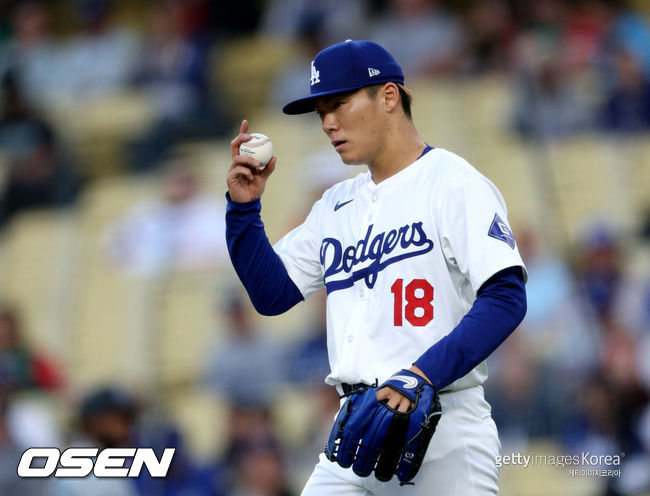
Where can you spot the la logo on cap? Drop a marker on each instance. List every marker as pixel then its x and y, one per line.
pixel 315 75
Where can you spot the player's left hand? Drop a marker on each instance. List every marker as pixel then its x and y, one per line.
pixel 371 436
pixel 396 400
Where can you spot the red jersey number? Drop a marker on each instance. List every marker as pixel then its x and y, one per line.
pixel 418 310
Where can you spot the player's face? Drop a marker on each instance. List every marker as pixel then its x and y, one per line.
pixel 353 123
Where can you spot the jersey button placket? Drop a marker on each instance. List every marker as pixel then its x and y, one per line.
pixel 363 293
pixel 373 207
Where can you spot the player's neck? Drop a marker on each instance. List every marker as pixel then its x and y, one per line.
pixel 400 149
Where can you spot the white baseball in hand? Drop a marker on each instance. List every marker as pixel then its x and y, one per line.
pixel 260 147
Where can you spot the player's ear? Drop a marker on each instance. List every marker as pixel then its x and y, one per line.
pixel 390 96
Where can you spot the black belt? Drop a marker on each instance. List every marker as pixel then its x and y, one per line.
pixel 349 388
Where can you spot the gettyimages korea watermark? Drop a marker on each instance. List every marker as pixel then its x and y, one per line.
pixel 81 462
pixel 585 464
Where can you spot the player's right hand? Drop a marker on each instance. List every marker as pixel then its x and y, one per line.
pixel 245 181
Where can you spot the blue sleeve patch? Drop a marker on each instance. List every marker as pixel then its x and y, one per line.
pixel 500 230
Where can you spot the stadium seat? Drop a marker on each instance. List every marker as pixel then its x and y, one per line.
pixel 636 153
pixel 99 128
pixel 38 269
pixel 590 181
pixel 243 68
pixel 111 311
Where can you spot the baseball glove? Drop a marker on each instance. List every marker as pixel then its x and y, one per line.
pixel 369 436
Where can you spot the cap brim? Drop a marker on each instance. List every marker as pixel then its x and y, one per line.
pixel 305 105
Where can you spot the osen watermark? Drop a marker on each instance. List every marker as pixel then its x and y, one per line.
pixel 80 462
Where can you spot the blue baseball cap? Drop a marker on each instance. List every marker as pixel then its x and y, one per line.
pixel 347 66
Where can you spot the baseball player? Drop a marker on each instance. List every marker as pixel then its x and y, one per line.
pixel 421 269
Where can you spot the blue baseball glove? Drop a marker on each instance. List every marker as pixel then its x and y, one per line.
pixel 369 436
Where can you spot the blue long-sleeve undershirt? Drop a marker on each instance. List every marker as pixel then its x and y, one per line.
pixel 259 268
pixel 499 307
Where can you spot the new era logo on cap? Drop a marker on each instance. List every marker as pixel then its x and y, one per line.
pixel 347 66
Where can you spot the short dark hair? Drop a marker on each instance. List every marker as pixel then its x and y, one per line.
pixel 405 96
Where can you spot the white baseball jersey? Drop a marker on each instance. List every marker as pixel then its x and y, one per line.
pixel 401 260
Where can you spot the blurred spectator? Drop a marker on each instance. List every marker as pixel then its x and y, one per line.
pixel 558 329
pixel 627 103
pixel 641 358
pixel 20 367
pixel 5 14
pixel 260 469
pixel 107 419
pixel 632 305
pixel 525 404
pixel 600 271
pixel 10 453
pixel 290 80
pixel 594 428
pixel 33 53
pixel 110 418
pixel 100 58
pixel 628 32
pixel 610 421
pixel 583 33
pixel 184 230
pixel 245 422
pixel 227 21
pixel 558 342
pixel 338 20
pixel 173 71
pixel 185 477
pixel 546 105
pixel 425 38
pixel 614 398
pixel 489 34
pixel 248 367
pixel 35 171
pixel 308 362
pixel 541 24
pixel 172 64
pixel 618 359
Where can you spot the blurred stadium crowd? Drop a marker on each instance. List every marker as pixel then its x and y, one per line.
pixel 121 322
